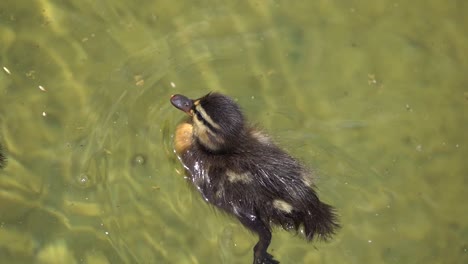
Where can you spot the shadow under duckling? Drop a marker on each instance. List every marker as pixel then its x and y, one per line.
pixel 238 169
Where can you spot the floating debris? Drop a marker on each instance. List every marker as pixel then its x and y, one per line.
pixel 31 74
pixel 6 70
pixel 42 88
pixel 408 108
pixel 371 79
pixel 139 81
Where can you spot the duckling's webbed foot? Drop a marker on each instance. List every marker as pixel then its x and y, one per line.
pixel 265 258
pixel 255 224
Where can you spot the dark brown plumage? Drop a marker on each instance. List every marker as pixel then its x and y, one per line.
pixel 240 170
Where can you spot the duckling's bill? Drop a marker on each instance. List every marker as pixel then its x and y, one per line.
pixel 182 103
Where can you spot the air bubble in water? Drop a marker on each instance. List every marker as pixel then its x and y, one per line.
pixel 83 180
pixel 139 160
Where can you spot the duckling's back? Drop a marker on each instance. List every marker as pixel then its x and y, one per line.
pixel 263 181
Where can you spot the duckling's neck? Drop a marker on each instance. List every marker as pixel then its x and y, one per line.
pixel 220 145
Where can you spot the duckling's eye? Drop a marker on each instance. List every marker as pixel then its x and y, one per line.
pixel 205 123
pixel 199 117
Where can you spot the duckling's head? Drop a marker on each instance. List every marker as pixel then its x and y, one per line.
pixel 218 123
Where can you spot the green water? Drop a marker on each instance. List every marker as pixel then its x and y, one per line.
pixel 372 94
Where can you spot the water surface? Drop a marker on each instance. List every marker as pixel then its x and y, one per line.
pixel 371 94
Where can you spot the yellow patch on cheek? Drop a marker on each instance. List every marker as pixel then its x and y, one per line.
pixel 183 137
pixel 205 136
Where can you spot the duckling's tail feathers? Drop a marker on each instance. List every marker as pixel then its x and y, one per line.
pixel 320 222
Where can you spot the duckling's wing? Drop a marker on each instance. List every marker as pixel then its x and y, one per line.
pixel 289 199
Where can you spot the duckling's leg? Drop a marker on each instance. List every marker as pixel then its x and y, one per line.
pixel 255 224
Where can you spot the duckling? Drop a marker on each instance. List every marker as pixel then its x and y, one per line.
pixel 241 171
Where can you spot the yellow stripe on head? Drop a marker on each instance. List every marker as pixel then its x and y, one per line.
pixel 205 129
pixel 205 116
